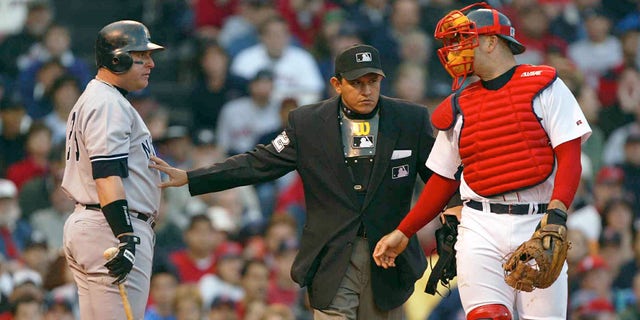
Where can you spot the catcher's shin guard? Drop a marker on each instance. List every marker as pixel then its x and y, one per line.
pixel 490 312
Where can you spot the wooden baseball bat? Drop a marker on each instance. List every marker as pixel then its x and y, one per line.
pixel 108 254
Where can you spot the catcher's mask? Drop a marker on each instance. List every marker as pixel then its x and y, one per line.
pixel 459 35
pixel 117 39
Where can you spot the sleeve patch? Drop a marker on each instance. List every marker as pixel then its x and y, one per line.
pixel 281 141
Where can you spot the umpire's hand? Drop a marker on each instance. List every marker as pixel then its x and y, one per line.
pixel 177 177
pixel 121 264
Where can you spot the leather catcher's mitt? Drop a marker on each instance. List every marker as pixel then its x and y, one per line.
pixel 537 262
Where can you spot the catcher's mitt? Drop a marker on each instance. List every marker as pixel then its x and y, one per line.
pixel 445 268
pixel 537 262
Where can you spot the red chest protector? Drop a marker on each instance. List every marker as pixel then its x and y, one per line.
pixel 502 144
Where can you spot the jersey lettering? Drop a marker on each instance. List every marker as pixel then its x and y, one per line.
pixel 148 149
pixel 75 139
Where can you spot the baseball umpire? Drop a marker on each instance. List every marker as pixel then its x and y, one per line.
pixel 108 149
pixel 358 155
pixel 513 138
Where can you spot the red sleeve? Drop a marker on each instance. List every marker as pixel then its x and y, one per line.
pixel 569 170
pixel 434 197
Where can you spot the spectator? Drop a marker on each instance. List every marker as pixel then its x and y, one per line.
pixel 197 259
pixel 569 22
pixel 336 36
pixel 533 33
pixel 36 161
pixel 27 307
pixel 223 309
pixel 631 168
pixel 35 256
pixel 176 146
pixel 276 52
pixel 255 283
pixel 632 312
pixel 617 221
pixel 411 82
pixel 240 31
pixel 212 14
pixel 49 222
pixel 278 312
pixel 14 123
pixel 579 250
pixel 215 86
pixel 56 45
pixel 387 38
pixel 188 303
pixel 225 283
pixel 60 284
pixel 591 107
pixel 63 94
pixel 164 284
pixel 37 193
pixel 369 16
pixel 34 84
pixel 304 18
pixel 282 289
pixel 260 115
pixel 14 232
pixel 595 282
pixel 600 51
pixel 630 268
pixel 269 191
pixel 16 50
pixel 608 185
pixel 583 214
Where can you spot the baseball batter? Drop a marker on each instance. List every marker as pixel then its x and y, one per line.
pixel 511 142
pixel 108 149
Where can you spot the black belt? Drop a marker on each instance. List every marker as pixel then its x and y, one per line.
pixel 508 208
pixel 138 215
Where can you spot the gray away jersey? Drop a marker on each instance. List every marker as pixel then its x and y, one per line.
pixel 106 136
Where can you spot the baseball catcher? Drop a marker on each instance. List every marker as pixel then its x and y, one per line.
pixel 548 247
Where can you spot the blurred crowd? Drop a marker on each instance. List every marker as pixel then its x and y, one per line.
pixel 237 68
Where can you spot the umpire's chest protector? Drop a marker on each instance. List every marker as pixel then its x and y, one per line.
pixel 503 145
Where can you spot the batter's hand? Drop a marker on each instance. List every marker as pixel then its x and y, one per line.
pixel 177 177
pixel 121 264
pixel 389 247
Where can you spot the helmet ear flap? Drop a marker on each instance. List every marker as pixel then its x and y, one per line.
pixel 120 62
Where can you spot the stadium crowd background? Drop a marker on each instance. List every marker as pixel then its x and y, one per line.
pixel 215 92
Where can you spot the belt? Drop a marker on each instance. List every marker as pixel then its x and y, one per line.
pixel 138 215
pixel 509 208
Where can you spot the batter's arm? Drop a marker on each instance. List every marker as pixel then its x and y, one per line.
pixel 109 189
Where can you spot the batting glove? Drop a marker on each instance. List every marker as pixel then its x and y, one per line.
pixel 121 264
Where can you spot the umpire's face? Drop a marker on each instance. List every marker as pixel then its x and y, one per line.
pixel 137 77
pixel 361 94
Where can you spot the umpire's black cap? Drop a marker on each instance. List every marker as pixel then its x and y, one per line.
pixel 358 60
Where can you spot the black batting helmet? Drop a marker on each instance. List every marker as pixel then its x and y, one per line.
pixel 491 21
pixel 117 39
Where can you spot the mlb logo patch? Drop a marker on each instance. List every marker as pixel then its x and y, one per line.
pixel 363 57
pixel 400 172
pixel 362 142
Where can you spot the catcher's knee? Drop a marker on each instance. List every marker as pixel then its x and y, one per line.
pixel 490 312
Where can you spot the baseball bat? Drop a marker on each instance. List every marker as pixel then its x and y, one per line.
pixel 108 254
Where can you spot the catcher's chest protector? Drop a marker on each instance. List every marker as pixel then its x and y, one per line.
pixel 502 143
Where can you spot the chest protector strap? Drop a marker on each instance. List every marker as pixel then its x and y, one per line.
pixel 503 145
